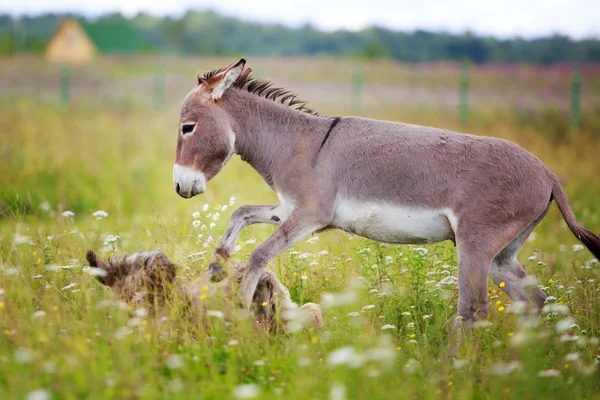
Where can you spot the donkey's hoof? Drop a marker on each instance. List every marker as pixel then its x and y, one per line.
pixel 216 273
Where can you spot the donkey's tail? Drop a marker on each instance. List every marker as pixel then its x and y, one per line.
pixel 588 238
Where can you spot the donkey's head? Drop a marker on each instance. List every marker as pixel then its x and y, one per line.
pixel 206 139
pixel 138 279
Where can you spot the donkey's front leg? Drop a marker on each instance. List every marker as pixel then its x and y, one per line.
pixel 295 228
pixel 240 218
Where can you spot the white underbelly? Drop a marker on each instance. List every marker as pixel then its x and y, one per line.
pixel 390 223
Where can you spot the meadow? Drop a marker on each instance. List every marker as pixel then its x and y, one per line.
pixel 96 174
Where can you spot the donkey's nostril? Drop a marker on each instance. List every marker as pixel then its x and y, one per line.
pixel 177 187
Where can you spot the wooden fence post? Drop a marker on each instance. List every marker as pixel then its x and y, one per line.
pixel 464 95
pixel 65 85
pixel 575 99
pixel 357 79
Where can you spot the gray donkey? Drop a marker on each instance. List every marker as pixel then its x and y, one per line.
pixel 387 181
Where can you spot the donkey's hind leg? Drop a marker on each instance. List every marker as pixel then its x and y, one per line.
pixel 505 268
pixel 476 251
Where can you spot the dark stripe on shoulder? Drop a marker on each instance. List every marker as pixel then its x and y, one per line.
pixel 333 124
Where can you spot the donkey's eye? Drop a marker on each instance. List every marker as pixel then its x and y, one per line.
pixel 188 129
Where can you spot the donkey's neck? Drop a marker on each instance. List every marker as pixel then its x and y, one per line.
pixel 267 132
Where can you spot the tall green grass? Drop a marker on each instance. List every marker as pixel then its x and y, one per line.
pixel 388 309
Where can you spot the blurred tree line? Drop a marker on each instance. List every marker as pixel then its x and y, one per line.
pixel 206 32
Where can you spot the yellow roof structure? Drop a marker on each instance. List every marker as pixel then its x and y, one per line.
pixel 70 44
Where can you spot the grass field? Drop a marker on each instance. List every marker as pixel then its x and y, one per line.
pixel 391 306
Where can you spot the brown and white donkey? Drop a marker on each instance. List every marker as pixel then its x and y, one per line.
pixel 387 181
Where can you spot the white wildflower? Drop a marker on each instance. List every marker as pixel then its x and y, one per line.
pixel 389 259
pixel 481 324
pixel 38 314
pixel 304 256
pixel 338 299
pixel 564 325
pixel 24 355
pixel 345 356
pixel 313 240
pixel 141 312
pixel 196 223
pixel 38 394
pixel 421 251
pixel 174 361
pixel 233 342
pixel 237 248
pixel 549 373
pixel 250 241
pixel 223 207
pixel 459 364
pixel 450 280
pixel 216 216
pixel 569 338
pixel 573 357
pixel 337 392
pixel 231 200
pixel 69 286
pixel 212 225
pixel 68 214
pixel 247 391
pixel 406 314
pixel 505 369
pixel 122 332
pixel 304 277
pixel 313 263
pixel 205 208
pixel 354 314
pixel 215 313
pixel 388 326
pixel 45 206
pixel 368 307
pixel 96 272
pixel 111 239
pixel 532 258
pixel 100 214
pixel 532 236
pixel 555 308
pixel 578 247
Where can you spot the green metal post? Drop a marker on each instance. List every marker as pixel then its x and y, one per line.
pixel 575 99
pixel 65 85
pixel 159 88
pixel 464 94
pixel 356 90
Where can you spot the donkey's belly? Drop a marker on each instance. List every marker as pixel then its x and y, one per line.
pixel 394 224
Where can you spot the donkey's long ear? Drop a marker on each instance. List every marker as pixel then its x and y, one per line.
pixel 92 258
pixel 226 79
pixel 99 268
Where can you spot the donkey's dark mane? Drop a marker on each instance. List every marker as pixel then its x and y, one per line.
pixel 262 88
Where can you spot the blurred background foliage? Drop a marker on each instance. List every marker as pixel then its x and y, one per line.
pixel 208 33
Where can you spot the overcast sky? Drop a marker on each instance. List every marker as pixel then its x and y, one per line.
pixel 501 18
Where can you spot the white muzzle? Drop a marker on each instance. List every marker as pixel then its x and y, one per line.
pixel 188 182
